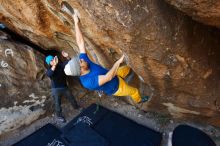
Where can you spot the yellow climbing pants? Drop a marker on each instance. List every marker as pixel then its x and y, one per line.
pixel 124 89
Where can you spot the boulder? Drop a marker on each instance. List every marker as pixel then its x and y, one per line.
pixel 204 11
pixel 175 58
pixel 23 86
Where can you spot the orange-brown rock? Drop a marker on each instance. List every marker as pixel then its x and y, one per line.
pixel 22 72
pixel 176 57
pixel 205 11
pixel 23 87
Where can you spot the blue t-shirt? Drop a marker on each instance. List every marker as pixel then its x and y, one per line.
pixel 90 80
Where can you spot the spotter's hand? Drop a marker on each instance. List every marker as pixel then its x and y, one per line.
pixel 65 54
pixel 55 60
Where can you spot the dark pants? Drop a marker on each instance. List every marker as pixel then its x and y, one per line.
pixel 57 93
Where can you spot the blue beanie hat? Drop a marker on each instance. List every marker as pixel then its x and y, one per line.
pixel 48 59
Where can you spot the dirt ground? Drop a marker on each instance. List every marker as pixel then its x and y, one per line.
pixel 155 121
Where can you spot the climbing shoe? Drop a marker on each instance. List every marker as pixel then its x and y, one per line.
pixel 144 99
pixel 60 118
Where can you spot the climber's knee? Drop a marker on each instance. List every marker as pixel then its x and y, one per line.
pixel 123 71
pixel 125 90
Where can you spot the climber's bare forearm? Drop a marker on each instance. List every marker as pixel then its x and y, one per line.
pixel 79 39
pixel 111 73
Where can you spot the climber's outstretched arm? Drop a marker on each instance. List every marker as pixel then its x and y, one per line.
pixel 102 79
pixel 79 36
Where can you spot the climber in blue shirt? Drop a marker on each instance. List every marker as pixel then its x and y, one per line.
pixel 91 80
pixel 95 77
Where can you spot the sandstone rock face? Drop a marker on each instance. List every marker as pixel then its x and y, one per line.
pixel 23 88
pixel 176 58
pixel 205 11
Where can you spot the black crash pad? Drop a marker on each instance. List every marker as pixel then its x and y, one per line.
pixel 48 135
pixel 185 135
pixel 94 127
pixel 84 135
pixel 115 128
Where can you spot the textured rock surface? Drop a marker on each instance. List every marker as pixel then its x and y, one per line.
pixel 23 88
pixel 205 11
pixel 176 58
